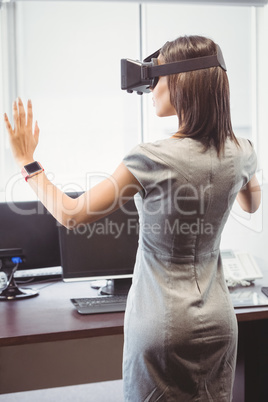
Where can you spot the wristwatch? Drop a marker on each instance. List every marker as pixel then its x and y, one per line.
pixel 31 170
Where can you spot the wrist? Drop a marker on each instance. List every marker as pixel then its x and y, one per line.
pixel 24 162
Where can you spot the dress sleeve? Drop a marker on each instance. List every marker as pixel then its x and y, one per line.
pixel 250 162
pixel 145 166
pixel 140 166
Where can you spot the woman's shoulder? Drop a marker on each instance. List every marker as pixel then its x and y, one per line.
pixel 245 147
pixel 245 142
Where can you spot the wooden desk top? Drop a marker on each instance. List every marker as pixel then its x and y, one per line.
pixel 50 316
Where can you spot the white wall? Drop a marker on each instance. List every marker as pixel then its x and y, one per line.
pixel 262 95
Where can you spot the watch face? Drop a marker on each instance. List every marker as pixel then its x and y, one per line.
pixel 33 167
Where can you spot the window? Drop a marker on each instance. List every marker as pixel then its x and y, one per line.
pixel 67 61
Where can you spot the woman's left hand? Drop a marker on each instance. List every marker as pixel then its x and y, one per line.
pixel 23 139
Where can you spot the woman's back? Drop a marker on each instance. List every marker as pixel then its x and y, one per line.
pixel 187 192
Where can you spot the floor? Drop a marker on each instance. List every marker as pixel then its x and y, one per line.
pixel 110 391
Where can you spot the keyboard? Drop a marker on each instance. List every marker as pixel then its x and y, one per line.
pixel 39 273
pixel 100 304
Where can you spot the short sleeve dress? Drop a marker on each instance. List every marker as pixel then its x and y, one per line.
pixel 180 327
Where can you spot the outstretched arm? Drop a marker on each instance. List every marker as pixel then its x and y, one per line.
pixel 249 197
pixel 95 203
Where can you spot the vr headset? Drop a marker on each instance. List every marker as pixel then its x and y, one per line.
pixel 142 76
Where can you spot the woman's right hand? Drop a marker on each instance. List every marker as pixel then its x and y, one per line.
pixel 23 139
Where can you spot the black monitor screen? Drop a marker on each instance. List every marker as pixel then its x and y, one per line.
pixel 103 249
pixel 28 226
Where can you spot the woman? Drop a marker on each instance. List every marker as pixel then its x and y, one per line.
pixel 180 326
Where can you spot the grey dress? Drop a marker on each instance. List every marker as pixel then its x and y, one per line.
pixel 180 326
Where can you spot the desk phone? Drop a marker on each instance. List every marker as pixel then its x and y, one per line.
pixel 240 266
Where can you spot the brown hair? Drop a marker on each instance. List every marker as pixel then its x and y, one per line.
pixel 201 98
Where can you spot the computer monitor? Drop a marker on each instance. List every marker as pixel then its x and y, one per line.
pixel 28 240
pixel 103 250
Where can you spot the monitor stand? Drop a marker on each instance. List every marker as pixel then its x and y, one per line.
pixel 116 287
pixel 12 291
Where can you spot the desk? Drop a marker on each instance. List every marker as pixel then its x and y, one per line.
pixel 45 343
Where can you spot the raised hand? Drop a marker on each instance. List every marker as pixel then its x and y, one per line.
pixel 23 139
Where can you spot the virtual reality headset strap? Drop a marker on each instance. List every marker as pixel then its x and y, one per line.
pixel 183 65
